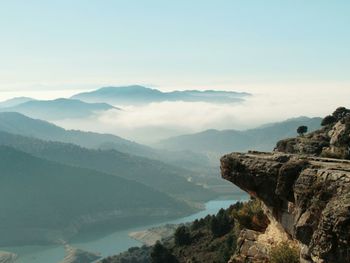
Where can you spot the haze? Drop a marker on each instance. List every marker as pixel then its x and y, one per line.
pixel 117 118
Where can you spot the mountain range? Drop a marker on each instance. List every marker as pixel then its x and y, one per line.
pixel 44 202
pixel 52 189
pixel 57 109
pixel 17 123
pixel 158 175
pixel 136 94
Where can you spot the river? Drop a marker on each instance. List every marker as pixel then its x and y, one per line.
pixel 108 245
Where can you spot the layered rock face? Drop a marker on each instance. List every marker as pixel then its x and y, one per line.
pixel 308 196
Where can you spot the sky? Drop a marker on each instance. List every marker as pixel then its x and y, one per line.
pixel 51 48
pixel 292 55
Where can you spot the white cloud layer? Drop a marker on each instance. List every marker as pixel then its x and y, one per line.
pixel 156 121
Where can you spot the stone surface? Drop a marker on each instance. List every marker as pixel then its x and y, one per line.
pixel 308 196
pixel 249 249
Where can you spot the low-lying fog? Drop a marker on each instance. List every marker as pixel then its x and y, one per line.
pixel 150 123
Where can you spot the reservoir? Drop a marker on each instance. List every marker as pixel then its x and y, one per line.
pixel 108 245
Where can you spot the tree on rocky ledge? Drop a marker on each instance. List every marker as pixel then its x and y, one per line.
pixel 302 130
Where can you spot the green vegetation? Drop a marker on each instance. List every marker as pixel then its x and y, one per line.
pixel 212 239
pixel 302 130
pixel 250 215
pixel 328 120
pixel 132 255
pixel 161 254
pixel 340 113
pixel 283 253
pixel 220 224
pixel 182 236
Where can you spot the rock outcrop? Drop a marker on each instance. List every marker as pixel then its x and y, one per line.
pixel 308 196
pixel 333 140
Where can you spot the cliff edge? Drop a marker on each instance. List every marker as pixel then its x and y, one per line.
pixel 307 195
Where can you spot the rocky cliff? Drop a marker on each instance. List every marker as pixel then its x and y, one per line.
pixel 306 195
pixel 300 209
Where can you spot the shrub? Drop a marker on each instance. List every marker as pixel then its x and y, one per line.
pixel 251 216
pixel 283 253
pixel 182 236
pixel 328 120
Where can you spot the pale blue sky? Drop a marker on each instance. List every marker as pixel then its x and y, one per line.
pixel 74 44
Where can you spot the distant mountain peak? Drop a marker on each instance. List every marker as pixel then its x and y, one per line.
pixel 128 87
pixel 137 94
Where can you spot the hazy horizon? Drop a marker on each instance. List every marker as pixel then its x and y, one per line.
pixel 159 120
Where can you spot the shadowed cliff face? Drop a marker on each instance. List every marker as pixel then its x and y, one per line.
pixel 308 196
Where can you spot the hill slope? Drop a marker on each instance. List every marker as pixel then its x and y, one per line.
pixel 155 174
pixel 43 201
pixel 263 138
pixel 58 109
pixel 17 123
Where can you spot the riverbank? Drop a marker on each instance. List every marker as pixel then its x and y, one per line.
pixel 7 257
